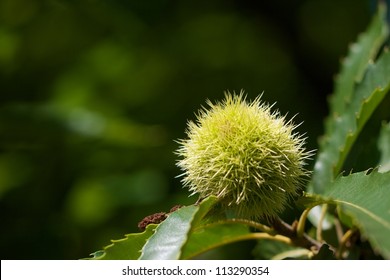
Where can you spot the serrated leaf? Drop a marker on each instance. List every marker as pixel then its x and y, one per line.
pixel 384 148
pixel 369 93
pixel 171 235
pixel 211 236
pixel 355 64
pixel 128 248
pixel 350 107
pixel 366 199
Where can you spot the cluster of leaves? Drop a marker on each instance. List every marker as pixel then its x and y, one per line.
pixel 355 213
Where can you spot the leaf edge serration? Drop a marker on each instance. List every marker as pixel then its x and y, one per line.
pixel 368 95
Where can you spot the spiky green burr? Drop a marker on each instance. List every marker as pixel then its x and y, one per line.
pixel 245 154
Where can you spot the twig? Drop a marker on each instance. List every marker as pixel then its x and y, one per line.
pixel 339 229
pixel 343 243
pixel 304 241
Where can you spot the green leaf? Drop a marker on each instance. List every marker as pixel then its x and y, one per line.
pixel 313 201
pixel 351 106
pixel 344 218
pixel 366 199
pixel 271 249
pixel 310 200
pixel 171 235
pixel 274 250
pixel 355 64
pixel 128 248
pixel 369 93
pixel 211 236
pixel 384 148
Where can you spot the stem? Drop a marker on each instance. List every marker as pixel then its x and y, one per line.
pixel 293 254
pixel 287 230
pixel 282 232
pixel 277 237
pixel 255 225
pixel 302 222
pixel 346 237
pixel 321 220
pixel 339 230
pixel 255 235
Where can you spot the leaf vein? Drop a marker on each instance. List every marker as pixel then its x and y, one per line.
pixel 367 212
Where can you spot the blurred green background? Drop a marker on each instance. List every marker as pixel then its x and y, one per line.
pixel 94 93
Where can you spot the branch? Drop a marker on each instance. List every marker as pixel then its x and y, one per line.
pixel 290 231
